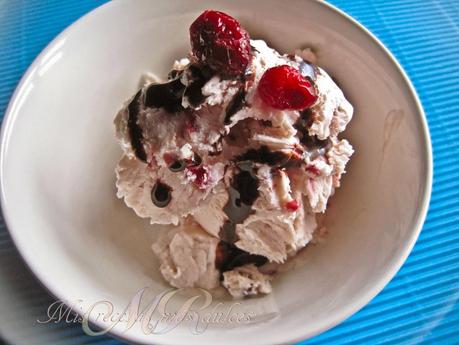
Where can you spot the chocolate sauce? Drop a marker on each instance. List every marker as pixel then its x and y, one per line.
pixel 315 146
pixel 174 74
pixel 229 256
pixel 161 194
pixel 165 95
pixel 312 142
pixel 135 132
pixel 198 76
pixel 242 194
pixel 197 160
pixel 236 104
pixel 307 116
pixel 181 164
pixel 265 156
pixel 247 186
pixel 178 165
pixel 303 123
pixel 237 211
pixel 248 79
pixel 217 148
pixel 227 232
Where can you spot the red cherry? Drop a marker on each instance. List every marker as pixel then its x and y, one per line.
pixel 283 87
pixel 219 41
pixel 292 205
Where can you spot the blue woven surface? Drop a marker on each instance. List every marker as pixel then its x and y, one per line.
pixel 420 305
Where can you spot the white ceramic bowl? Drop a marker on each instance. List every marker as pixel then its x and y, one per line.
pixel 58 153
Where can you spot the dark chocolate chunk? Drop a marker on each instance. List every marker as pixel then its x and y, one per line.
pixel 135 132
pixel 161 194
pixel 165 95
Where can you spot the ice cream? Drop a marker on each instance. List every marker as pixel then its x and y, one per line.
pixel 188 256
pixel 239 150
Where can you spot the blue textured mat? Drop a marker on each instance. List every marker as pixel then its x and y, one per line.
pixel 420 305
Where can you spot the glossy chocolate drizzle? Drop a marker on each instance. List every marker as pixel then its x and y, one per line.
pixel 264 155
pixel 198 76
pixel 229 257
pixel 242 194
pixel 161 194
pixel 165 95
pixel 135 132
pixel 315 146
pixel 237 103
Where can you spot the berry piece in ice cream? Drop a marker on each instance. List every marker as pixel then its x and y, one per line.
pixel 292 205
pixel 199 175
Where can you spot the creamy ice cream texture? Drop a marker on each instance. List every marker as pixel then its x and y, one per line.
pixel 241 180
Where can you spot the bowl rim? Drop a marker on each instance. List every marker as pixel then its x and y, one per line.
pixel 335 319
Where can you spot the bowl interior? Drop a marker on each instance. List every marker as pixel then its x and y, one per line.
pixel 85 245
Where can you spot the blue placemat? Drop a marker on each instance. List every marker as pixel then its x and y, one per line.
pixel 420 305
